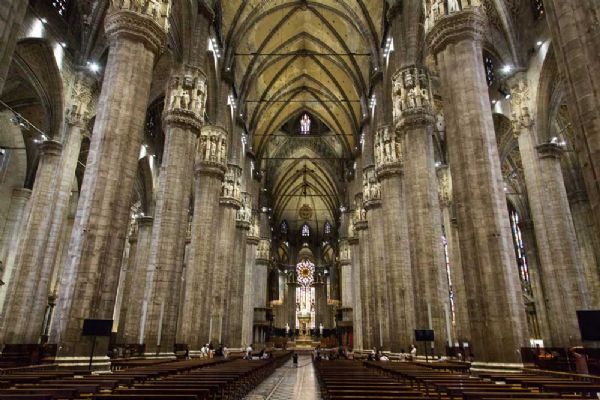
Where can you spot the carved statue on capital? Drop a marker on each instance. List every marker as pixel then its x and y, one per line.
pixel 187 93
pixel 78 112
pixel 158 10
pixel 388 147
pixel 344 252
pixel 411 92
pixel 521 118
pixel 371 186
pixel 437 9
pixel 244 214
pixel 444 186
pixel 231 187
pixel 212 148
pixel 263 250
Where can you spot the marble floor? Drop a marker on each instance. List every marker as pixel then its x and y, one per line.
pixel 288 382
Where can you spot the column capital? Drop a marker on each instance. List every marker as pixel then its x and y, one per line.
pixel 388 152
pixel 467 24
pixel 444 186
pixel 521 118
pixel 212 151
pixel 144 21
pixel 253 233
pixel 371 188
pixel 78 112
pixel 51 148
pixel 230 191
pixel 412 97
pixel 186 98
pixel 243 216
pixel 345 256
pixel 22 193
pixel 145 221
pixel 263 251
pixel 550 150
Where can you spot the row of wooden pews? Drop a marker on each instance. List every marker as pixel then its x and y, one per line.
pixel 350 379
pixel 179 380
pixel 443 384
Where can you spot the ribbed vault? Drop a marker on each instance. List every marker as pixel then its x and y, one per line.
pixel 291 57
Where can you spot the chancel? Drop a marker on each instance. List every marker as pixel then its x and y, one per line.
pixel 235 187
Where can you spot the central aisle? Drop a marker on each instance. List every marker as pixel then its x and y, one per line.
pixel 288 382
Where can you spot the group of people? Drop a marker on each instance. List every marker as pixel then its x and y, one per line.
pixel 209 351
pixel 262 354
pixel 378 355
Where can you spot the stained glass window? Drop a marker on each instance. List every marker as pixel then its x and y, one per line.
pixel 538 9
pixel 519 250
pixel 489 70
pixel 305 125
pixel 305 293
pixel 305 230
pixel 327 228
pixel 61 6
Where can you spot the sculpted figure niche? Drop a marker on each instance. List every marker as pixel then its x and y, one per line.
pixel 411 92
pixel 388 147
pixel 158 10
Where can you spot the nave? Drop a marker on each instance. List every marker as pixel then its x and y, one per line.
pixel 190 177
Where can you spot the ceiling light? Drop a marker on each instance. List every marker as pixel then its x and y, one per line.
pixel 539 43
pixel 63 44
pixel 94 67
pixel 507 68
pixel 44 20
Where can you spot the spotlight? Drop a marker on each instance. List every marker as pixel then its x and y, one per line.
pixel 507 68
pixel 438 164
pixel 92 66
pixel 494 102
pixel 44 21
pixel 63 45
pixel 539 43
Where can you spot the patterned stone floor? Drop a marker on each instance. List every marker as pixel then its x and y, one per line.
pixel 288 382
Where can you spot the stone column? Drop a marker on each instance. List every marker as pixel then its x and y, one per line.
pixel 376 268
pixel 357 307
pixel 126 265
pixel 211 164
pixel 222 269
pixel 413 116
pixel 388 161
pixel 11 235
pixel 29 277
pixel 589 243
pixel 133 308
pixel 76 125
pixel 563 279
pixel 536 291
pixel 252 283
pixel 561 267
pixel 346 274
pixel 183 117
pixel 370 337
pixel 574 29
pixel 462 326
pixel 237 279
pixel 12 13
pixel 496 312
pixel 89 282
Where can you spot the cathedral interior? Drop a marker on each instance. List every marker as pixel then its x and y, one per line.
pixel 298 173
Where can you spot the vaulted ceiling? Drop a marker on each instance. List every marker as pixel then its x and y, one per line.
pixel 291 57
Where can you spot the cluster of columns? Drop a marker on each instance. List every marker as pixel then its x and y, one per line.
pixel 154 307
